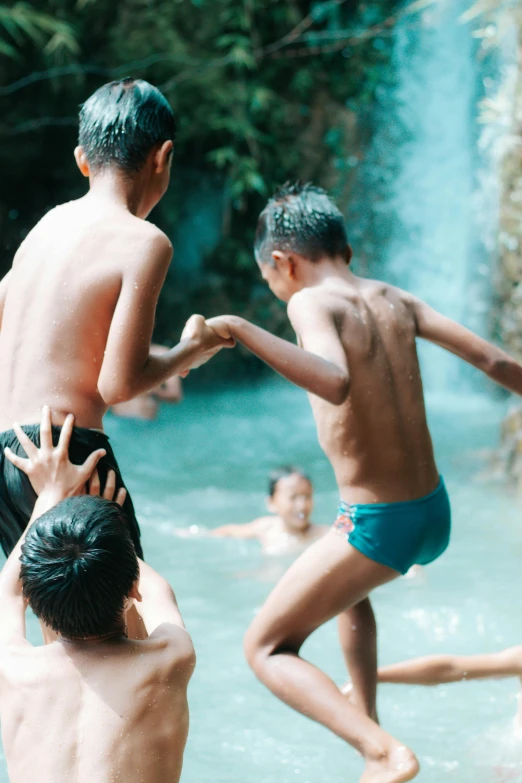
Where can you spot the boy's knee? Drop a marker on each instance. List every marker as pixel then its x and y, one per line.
pixel 252 649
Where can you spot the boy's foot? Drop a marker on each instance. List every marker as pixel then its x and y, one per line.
pixel 399 766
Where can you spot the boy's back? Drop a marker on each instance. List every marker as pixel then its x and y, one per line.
pixel 61 297
pixel 378 439
pixel 126 699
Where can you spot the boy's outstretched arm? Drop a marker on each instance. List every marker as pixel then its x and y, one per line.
pixel 454 337
pixel 319 366
pixel 129 367
pixel 249 530
pixel 438 669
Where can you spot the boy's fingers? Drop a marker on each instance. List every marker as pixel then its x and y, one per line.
pixel 121 496
pixel 110 485
pixel 94 483
pixel 193 326
pixel 91 462
pixel 46 433
pixel 28 445
pixel 19 462
pixel 66 433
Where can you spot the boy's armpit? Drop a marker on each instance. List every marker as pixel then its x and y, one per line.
pixel 316 329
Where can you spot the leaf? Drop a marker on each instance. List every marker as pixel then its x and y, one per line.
pixel 22 21
pixel 8 51
pixel 59 43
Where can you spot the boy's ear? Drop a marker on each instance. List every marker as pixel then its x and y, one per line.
pixel 163 156
pixel 81 161
pixel 135 591
pixel 285 263
pixel 348 253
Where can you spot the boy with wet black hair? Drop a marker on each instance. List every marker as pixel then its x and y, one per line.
pixel 288 528
pixel 77 308
pixel 95 705
pixel 357 359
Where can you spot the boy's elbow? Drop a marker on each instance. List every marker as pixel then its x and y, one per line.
pixel 113 391
pixel 340 390
pixel 500 368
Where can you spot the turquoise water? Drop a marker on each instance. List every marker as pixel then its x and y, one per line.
pixel 205 462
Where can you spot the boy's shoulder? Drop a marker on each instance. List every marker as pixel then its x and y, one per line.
pixel 146 246
pixel 169 647
pixel 144 231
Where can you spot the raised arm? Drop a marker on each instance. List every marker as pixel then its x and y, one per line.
pixel 129 367
pixel 54 478
pixel 319 366
pixel 494 362
pixel 250 530
pixel 158 608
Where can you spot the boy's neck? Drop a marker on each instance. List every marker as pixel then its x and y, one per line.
pixel 117 189
pixel 288 528
pixel 315 273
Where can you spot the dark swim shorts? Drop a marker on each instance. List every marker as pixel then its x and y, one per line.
pixel 399 535
pixel 17 497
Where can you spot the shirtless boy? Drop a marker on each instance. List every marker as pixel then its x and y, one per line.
pixel 288 529
pixel 93 705
pixel 357 359
pixel 77 308
pixel 441 669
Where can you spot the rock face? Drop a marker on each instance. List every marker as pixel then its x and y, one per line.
pixel 510 264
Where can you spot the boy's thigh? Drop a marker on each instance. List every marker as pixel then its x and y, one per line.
pixel 330 577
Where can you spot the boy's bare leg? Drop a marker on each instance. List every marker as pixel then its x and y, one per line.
pixel 358 637
pixel 326 580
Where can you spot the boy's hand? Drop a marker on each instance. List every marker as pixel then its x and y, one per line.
pixel 222 326
pixel 48 468
pixel 208 340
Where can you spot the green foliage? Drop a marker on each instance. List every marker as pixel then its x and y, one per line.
pixel 22 23
pixel 264 91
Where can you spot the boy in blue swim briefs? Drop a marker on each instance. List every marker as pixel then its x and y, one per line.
pixel 357 358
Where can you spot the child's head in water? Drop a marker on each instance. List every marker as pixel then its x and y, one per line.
pixel 290 496
pixel 300 225
pixel 128 126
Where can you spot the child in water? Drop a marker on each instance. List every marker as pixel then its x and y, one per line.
pixel 288 528
pixel 357 359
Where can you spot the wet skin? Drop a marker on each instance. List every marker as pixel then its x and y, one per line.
pixel 75 712
pixel 77 309
pixel 357 359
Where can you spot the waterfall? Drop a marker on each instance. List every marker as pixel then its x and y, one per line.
pixel 433 216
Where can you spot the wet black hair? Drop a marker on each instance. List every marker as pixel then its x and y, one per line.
pixel 283 472
pixel 302 218
pixel 78 566
pixel 122 122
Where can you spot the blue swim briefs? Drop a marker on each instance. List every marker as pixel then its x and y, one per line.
pixel 399 535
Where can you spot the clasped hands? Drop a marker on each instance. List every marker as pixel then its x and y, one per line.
pixel 208 337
